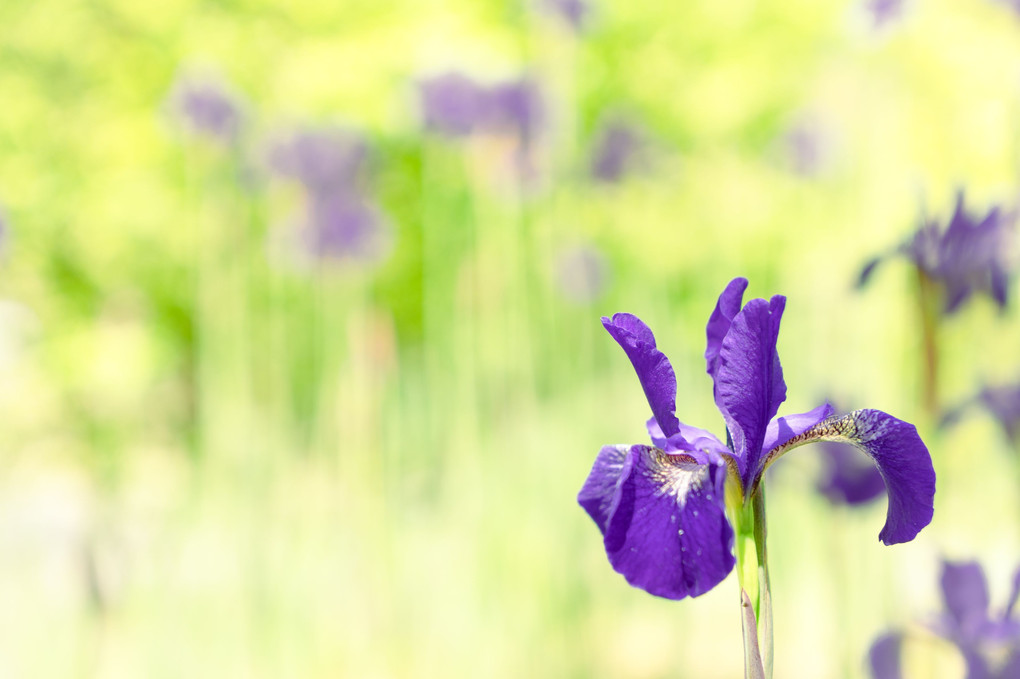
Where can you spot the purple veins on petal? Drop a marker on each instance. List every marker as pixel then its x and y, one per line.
pixel 749 386
pixel 664 525
pixel 652 367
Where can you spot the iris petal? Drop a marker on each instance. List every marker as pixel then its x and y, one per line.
pixel 901 457
pixel 749 386
pixel 665 526
pixel 965 592
pixel 651 365
pixel 884 657
pixel 719 322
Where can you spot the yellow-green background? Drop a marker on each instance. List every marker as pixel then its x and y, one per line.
pixel 182 494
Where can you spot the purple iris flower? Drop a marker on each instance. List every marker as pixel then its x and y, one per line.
pixel 615 151
pixel 663 509
pixel 208 107
pixel 324 160
pixel 970 255
pixel 990 644
pixel 452 103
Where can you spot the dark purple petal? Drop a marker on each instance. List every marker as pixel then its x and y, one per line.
pixel 884 656
pixel 651 365
pixel 666 531
pixel 719 322
pixel 965 593
pixel 901 457
pixel 749 386
pixel 596 495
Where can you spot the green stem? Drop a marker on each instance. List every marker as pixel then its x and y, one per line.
pixel 752 572
pixel 929 299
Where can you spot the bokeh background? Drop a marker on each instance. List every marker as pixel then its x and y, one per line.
pixel 301 365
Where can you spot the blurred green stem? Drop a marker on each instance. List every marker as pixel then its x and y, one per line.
pixel 755 590
pixel 928 299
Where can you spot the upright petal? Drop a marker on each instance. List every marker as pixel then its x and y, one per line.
pixel 749 386
pixel 782 429
pixel 651 365
pixel 719 322
pixel 900 455
pixel 965 593
pixel 665 526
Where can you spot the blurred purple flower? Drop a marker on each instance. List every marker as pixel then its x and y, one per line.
pixel 967 623
pixel 324 160
pixel 582 273
pixel 515 106
pixel 615 151
pixel 452 104
pixel 849 478
pixel 970 255
pixel 808 147
pixel 207 106
pixel 1003 402
pixel 345 227
pixel 574 12
pixel 882 12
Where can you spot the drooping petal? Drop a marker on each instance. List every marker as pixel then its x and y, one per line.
pixel 900 455
pixel 596 496
pixel 666 529
pixel 965 593
pixel 749 386
pixel 651 365
pixel 884 656
pixel 719 322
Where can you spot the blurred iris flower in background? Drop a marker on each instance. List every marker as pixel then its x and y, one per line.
pixel 969 255
pixel 616 151
pixel 989 644
pixel 207 106
pixel 663 510
pixel 1002 402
